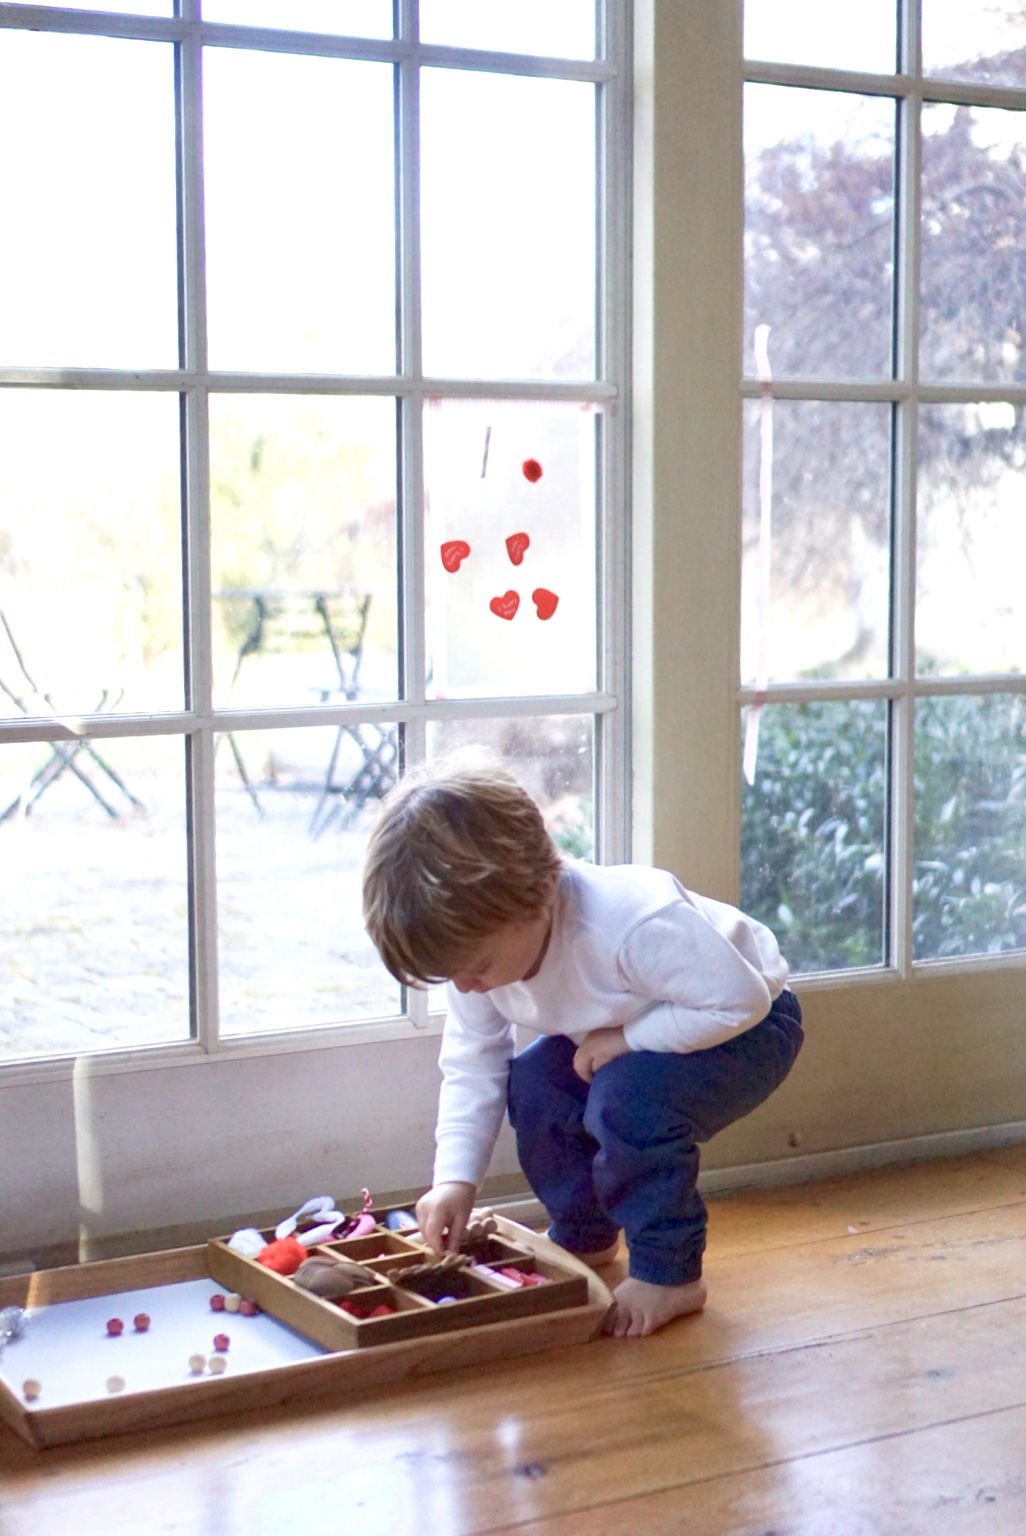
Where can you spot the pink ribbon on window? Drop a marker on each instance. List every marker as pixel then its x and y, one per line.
pixel 762 363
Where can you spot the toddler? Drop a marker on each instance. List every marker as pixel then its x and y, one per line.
pixel 661 1017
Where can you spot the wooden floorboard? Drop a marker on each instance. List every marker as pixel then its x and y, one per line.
pixel 861 1369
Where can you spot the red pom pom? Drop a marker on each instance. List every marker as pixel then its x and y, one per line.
pixel 283 1256
pixel 532 470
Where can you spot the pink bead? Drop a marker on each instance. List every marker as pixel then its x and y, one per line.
pixel 217 1302
pixel 248 1308
pixel 115 1327
pixel 142 1322
pixel 221 1342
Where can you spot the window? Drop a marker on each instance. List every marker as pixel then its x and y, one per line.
pixel 884 625
pixel 312 466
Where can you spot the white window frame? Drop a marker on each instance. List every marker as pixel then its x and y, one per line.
pixel 902 689
pixel 195 382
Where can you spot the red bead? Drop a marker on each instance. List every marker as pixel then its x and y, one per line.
pixel 115 1327
pixel 221 1342
pixel 217 1302
pixel 142 1322
pixel 248 1308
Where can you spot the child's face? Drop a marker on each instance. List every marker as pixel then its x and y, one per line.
pixel 512 953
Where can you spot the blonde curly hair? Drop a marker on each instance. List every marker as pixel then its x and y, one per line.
pixel 459 851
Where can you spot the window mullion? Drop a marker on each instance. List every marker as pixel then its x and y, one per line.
pixel 196 495
pixel 612 544
pixel 413 659
pixel 906 420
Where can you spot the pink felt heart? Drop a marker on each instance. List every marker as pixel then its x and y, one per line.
pixel 545 602
pixel 506 605
pixel 454 552
pixel 516 544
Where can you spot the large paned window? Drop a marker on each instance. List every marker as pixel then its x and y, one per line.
pixel 884 613
pixel 312 424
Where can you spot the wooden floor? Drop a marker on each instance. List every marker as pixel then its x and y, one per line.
pixel 860 1371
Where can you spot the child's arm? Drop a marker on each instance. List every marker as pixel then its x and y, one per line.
pixel 477 1047
pixel 710 971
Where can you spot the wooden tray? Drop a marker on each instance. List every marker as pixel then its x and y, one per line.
pixel 478 1298
pixel 489 1323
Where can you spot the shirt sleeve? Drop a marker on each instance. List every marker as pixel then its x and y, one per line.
pixel 477 1048
pixel 709 980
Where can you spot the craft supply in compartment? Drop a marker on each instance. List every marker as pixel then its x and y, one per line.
pixel 538 1274
pixel 492 1249
pixel 379 1244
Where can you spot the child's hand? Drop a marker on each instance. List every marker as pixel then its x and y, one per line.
pixel 596 1049
pixel 443 1214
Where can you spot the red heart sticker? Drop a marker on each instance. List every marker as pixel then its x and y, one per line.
pixel 506 606
pixel 532 470
pixel 454 552
pixel 516 544
pixel 545 602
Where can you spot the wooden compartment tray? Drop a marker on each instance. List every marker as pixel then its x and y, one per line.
pixel 310 1350
pixel 477 1298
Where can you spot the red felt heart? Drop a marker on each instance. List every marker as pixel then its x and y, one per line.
pixel 454 552
pixel 545 602
pixel 506 606
pixel 532 470
pixel 516 544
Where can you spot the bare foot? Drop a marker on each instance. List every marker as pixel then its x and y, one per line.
pixel 641 1308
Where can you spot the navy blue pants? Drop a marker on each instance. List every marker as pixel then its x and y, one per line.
pixel 621 1151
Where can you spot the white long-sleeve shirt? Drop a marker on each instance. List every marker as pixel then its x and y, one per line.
pixel 629 946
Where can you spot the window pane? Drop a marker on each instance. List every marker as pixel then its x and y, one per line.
pixel 975 40
pixel 974 231
pixel 812 833
pixel 531 26
pixel 300 219
pixel 508 226
pixel 294 811
pixel 510 547
pixel 347 18
pixel 809 32
pixel 94 263
pixel 95 948
pixel 971 530
pixel 819 231
pixel 969 892
pixel 553 757
pixel 90 552
pixel 830 540
pixel 303 549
